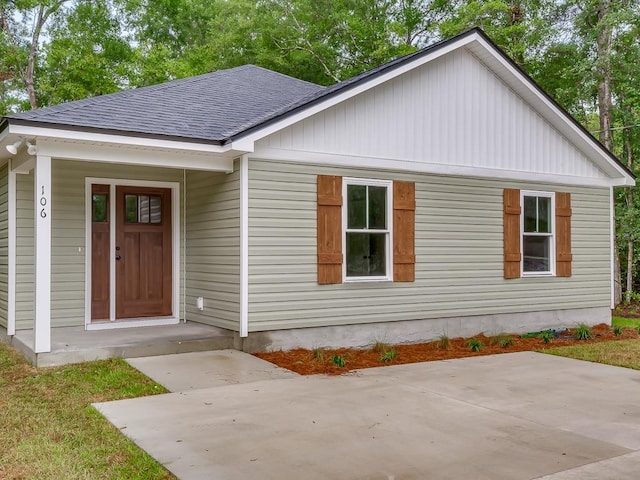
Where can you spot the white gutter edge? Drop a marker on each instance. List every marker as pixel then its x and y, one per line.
pixel 75 135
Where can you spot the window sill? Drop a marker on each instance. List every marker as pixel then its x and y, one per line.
pixel 537 274
pixel 368 280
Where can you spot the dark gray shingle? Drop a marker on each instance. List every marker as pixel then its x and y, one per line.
pixel 210 107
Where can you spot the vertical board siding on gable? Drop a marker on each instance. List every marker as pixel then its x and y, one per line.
pixel 67 236
pixel 213 248
pixel 424 115
pixel 459 269
pixel 4 245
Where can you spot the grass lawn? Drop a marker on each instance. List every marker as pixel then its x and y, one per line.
pixel 621 353
pixel 625 322
pixel 49 430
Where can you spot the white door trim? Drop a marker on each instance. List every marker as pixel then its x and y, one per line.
pixel 175 249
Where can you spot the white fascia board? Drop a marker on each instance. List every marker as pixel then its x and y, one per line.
pixel 246 142
pixel 549 110
pixel 382 164
pixel 126 154
pixel 56 133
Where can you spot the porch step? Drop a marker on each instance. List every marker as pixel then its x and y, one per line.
pixel 73 344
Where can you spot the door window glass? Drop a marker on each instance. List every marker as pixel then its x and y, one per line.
pixel 100 207
pixel 143 208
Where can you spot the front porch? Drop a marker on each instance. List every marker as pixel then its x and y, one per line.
pixel 72 267
pixel 75 344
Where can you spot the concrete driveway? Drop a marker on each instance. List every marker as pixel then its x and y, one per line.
pixel 512 416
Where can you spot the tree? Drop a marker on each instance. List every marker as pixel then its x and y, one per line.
pixel 87 54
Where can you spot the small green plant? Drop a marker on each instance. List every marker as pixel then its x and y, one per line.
pixel 546 336
pixel 638 329
pixel 389 355
pixel 317 354
pixel 444 342
pixel 617 330
pixel 338 361
pixel 475 345
pixel 583 332
pixel 380 347
pixel 503 340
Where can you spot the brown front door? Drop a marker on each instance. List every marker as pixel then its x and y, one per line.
pixel 143 252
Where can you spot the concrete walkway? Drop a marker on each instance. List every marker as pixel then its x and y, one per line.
pixel 512 416
pixel 197 370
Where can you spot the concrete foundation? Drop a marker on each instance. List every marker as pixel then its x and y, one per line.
pixel 416 331
pixel 74 344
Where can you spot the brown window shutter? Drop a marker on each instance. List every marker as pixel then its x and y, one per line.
pixel 563 235
pixel 404 231
pixel 511 227
pixel 329 229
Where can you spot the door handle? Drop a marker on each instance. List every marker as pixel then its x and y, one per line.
pixel 117 257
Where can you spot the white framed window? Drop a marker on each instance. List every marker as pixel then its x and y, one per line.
pixel 538 233
pixel 367 225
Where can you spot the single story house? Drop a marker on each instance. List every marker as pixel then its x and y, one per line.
pixel 441 193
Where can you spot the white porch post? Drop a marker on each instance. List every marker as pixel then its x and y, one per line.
pixel 42 271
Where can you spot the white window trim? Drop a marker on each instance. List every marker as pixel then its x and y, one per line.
pixel 552 247
pixel 389 231
pixel 176 251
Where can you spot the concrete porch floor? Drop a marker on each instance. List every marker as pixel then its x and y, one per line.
pixel 75 344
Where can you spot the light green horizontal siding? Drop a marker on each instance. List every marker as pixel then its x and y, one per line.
pixel 24 251
pixel 459 269
pixel 213 248
pixel 67 236
pixel 4 245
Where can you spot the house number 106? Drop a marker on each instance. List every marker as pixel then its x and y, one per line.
pixel 43 204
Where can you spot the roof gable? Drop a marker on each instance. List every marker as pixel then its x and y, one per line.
pixel 452 114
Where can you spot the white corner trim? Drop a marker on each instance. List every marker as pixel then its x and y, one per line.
pixel 11 250
pixel 612 253
pixel 244 246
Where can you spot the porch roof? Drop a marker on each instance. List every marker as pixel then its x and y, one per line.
pixel 207 108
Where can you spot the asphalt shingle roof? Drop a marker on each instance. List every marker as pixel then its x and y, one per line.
pixel 210 107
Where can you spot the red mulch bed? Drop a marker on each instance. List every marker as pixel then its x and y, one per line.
pixel 305 362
